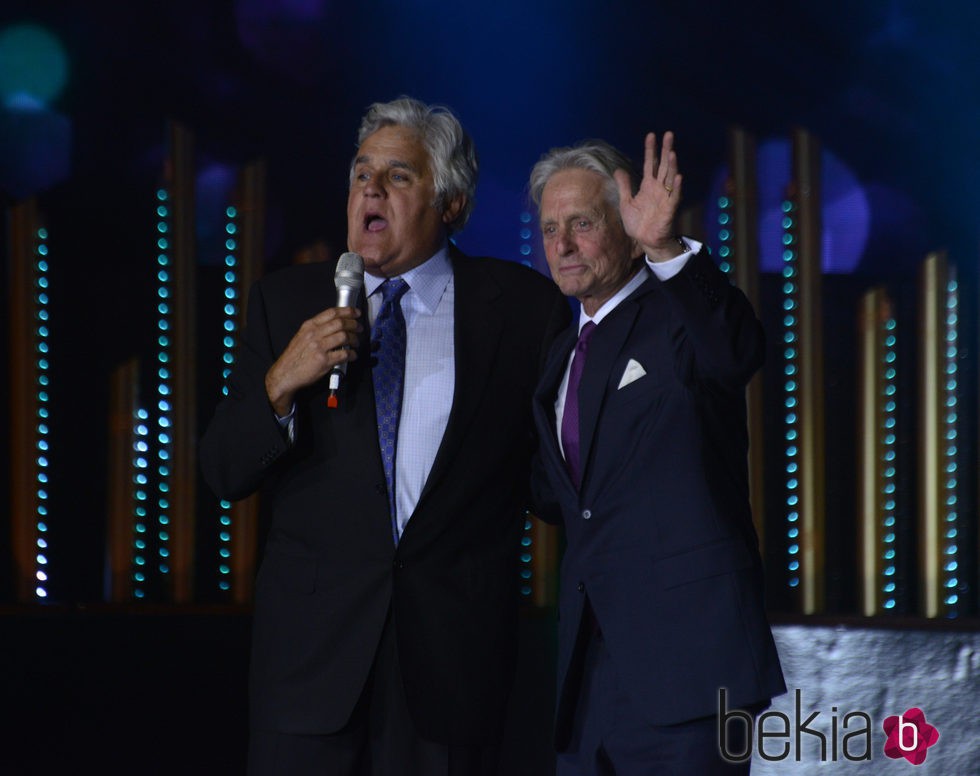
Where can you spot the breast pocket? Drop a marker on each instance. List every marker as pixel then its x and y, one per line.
pixel 635 380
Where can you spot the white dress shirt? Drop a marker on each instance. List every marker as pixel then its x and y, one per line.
pixel 663 270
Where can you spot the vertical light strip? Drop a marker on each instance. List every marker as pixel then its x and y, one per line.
pixel 228 342
pixel 810 493
pixel 42 346
pixel 128 483
pixel 527 540
pixel 725 235
pixel 938 443
pixel 250 248
pixel 527 558
pixel 526 233
pixel 164 441
pixel 141 465
pixel 28 314
pixel 791 393
pixel 949 541
pixel 889 456
pixel 179 531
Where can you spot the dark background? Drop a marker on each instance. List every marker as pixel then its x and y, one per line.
pixel 890 88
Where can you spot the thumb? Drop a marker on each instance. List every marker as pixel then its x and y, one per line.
pixel 623 184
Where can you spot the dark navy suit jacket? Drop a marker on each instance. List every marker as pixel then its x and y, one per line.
pixel 660 534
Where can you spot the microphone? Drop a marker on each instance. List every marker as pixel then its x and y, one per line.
pixel 349 280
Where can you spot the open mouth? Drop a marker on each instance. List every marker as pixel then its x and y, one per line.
pixel 375 223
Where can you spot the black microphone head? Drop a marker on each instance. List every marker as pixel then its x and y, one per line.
pixel 350 272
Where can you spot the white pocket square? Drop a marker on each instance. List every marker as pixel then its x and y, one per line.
pixel 634 371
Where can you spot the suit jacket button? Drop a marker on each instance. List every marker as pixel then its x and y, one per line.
pixel 581 587
pixel 399 564
pixel 586 514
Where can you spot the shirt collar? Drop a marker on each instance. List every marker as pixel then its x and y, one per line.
pixel 427 281
pixel 638 279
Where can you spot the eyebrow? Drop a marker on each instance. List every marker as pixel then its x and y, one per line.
pixel 396 163
pixel 593 214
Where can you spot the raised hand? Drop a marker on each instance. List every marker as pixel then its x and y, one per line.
pixel 648 217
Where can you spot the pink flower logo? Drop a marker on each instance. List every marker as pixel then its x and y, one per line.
pixel 909 736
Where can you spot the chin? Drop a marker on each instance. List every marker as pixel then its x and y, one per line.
pixel 370 256
pixel 373 267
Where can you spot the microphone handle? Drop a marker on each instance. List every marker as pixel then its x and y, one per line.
pixel 346 297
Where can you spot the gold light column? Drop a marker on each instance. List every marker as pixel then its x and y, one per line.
pixel 544 563
pixel 238 530
pixel 803 377
pixel 938 444
pixel 877 405
pixel 739 250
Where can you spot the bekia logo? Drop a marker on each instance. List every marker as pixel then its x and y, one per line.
pixel 776 736
pixel 909 736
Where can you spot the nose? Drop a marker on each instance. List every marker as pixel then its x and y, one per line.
pixel 374 187
pixel 564 242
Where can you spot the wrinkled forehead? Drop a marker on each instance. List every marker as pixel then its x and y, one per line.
pixel 574 192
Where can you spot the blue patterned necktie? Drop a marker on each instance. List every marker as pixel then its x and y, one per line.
pixel 388 345
pixel 569 421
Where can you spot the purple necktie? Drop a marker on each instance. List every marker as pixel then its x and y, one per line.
pixel 569 421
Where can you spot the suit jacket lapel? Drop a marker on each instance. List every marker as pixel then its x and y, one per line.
pixel 607 343
pixel 545 395
pixel 477 337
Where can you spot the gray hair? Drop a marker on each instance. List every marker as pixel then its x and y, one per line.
pixel 596 155
pixel 454 162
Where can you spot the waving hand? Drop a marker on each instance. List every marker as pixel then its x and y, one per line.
pixel 648 217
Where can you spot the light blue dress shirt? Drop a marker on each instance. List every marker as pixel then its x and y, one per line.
pixel 430 373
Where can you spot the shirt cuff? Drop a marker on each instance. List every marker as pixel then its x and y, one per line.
pixel 286 422
pixel 665 270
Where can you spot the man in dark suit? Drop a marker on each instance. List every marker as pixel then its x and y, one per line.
pixel 386 603
pixel 641 416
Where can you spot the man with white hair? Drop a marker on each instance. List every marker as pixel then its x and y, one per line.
pixel 386 605
pixel 641 415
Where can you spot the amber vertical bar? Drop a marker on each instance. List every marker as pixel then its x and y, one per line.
pixel 932 283
pixel 184 461
pixel 245 513
pixel 123 396
pixel 744 192
pixel 874 310
pixel 23 223
pixel 544 563
pixel 806 184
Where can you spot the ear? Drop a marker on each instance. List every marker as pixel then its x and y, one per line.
pixel 453 208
